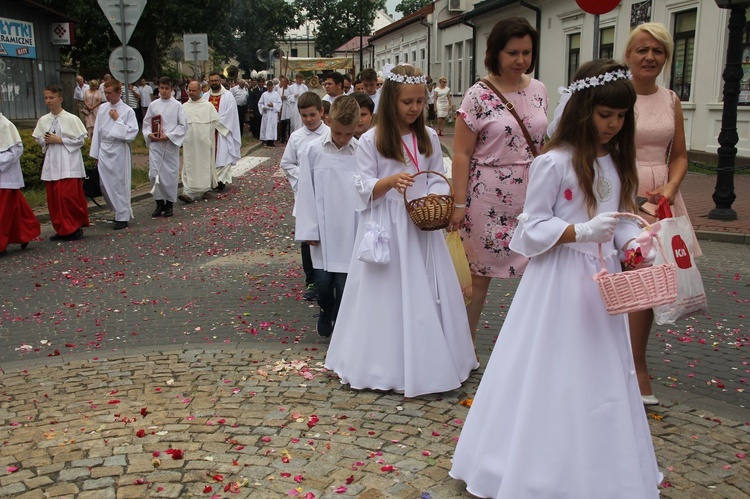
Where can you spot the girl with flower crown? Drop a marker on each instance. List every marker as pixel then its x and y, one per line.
pixel 558 412
pixel 402 326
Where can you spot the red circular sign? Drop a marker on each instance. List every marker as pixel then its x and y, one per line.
pixel 597 6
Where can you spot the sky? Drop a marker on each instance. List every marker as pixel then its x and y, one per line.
pixel 391 8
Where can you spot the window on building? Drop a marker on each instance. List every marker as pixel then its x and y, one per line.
pixel 406 57
pixel 745 82
pixel 413 56
pixel 459 67
pixel 449 64
pixel 294 52
pixel 397 60
pixel 470 56
pixel 684 51
pixel 607 43
pixel 574 55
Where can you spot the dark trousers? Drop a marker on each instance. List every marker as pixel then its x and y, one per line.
pixel 286 126
pixel 255 123
pixel 241 112
pixel 139 114
pixel 330 289
pixel 307 265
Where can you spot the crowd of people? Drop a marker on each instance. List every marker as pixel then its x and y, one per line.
pixel 566 383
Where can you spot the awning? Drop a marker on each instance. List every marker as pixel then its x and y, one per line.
pixel 317 64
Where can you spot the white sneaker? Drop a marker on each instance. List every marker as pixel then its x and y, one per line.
pixel 649 400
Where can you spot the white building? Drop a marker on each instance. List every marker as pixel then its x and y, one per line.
pixel 448 38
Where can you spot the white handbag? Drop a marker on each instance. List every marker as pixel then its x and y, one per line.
pixel 374 245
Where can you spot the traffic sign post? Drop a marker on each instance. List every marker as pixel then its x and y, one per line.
pixel 123 15
pixel 597 7
pixel 196 44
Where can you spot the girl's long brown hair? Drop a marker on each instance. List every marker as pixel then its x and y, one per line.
pixel 387 131
pixel 577 129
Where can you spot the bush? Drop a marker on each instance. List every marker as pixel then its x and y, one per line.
pixel 33 158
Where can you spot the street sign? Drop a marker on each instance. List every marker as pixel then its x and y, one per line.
pixel 196 46
pixel 123 15
pixel 176 54
pixel 126 64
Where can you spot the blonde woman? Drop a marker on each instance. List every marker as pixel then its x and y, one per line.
pixel 442 98
pixel 661 167
pixel 92 98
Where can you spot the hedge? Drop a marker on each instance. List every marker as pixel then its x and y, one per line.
pixel 32 157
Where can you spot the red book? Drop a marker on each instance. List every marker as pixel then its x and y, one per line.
pixel 156 125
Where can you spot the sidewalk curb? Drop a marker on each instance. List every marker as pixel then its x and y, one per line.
pixel 723 237
pixel 137 194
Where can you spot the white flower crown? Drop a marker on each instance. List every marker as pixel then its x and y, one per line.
pixel 595 81
pixel 409 80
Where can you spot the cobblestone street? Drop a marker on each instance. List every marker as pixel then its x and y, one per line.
pixel 178 359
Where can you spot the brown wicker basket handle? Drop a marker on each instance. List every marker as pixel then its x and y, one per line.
pixel 645 225
pixel 430 171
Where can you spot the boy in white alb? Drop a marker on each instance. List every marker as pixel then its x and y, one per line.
pixel 164 146
pixel 310 110
pixel 326 215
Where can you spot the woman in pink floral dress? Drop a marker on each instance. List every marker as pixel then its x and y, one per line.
pixel 492 156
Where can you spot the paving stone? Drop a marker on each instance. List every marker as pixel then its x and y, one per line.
pixel 61 489
pixel 99 483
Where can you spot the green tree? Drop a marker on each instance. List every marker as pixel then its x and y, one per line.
pixel 340 20
pixel 235 28
pixel 407 7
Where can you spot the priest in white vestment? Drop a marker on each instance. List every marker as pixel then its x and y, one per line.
pixel 228 139
pixel 61 136
pixel 198 149
pixel 269 106
pixel 164 146
pixel 295 90
pixel 116 127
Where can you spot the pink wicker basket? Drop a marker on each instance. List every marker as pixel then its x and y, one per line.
pixel 640 289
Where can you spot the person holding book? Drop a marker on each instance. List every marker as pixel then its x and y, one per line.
pixel 164 129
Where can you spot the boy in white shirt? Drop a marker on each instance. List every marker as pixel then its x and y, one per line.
pixel 310 109
pixel 61 136
pixel 326 200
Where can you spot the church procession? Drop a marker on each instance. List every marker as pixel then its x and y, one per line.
pixel 549 144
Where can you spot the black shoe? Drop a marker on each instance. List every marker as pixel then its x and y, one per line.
pixel 185 198
pixel 24 245
pixel 325 324
pixel 310 293
pixel 168 212
pixel 159 208
pixel 57 237
pixel 220 186
pixel 3 253
pixel 120 225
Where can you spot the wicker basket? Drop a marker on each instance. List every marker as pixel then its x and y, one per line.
pixel 640 289
pixel 431 212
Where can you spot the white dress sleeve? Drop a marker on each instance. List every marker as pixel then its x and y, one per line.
pixel 366 176
pixel 539 228
pixel 307 227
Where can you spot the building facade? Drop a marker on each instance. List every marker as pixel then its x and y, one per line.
pixel 29 61
pixel 448 38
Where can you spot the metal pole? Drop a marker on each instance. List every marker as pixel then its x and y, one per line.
pixel 724 192
pixel 124 52
pixel 195 44
pixel 360 36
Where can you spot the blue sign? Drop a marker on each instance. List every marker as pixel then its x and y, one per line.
pixel 17 39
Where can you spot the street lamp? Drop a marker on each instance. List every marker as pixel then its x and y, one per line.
pixel 360 35
pixel 724 191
